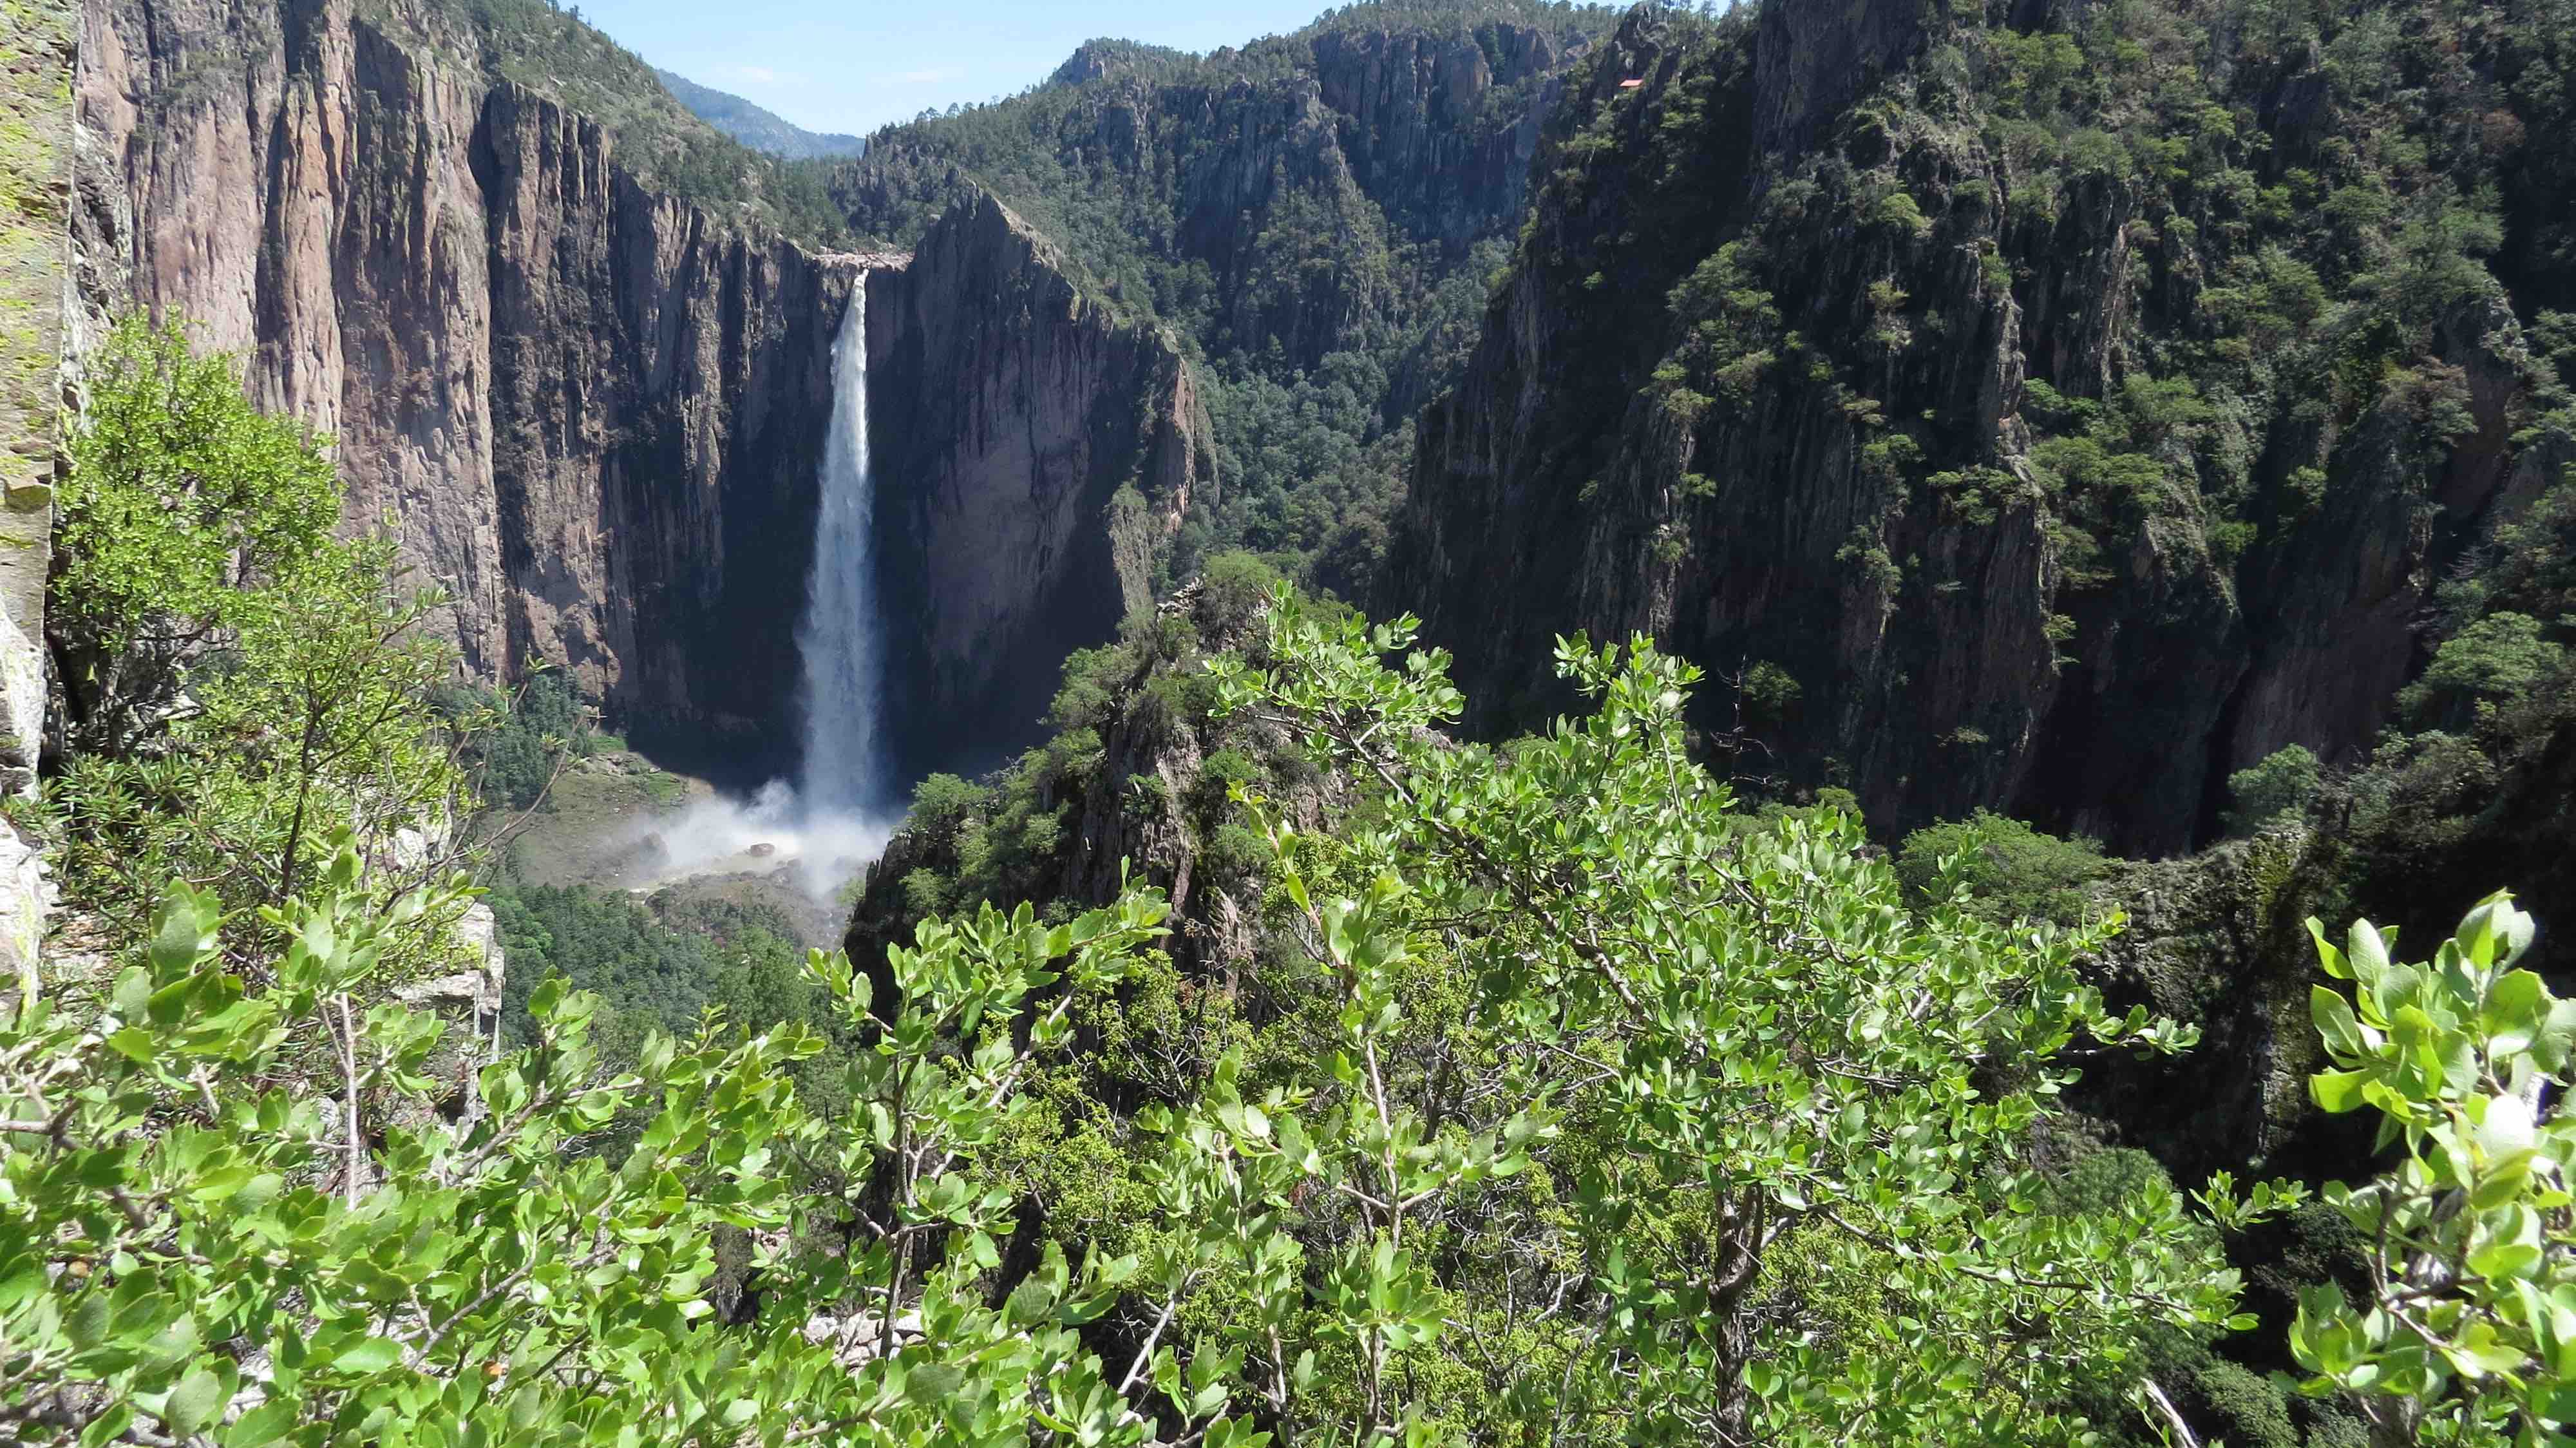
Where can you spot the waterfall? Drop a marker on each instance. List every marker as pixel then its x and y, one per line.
pixel 837 815
pixel 838 639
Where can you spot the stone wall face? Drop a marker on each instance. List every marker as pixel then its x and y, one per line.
pixel 592 412
pixel 37 39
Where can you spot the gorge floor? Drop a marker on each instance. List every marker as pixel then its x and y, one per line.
pixel 617 821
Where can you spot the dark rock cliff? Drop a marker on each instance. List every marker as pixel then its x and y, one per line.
pixel 1766 381
pixel 593 413
pixel 1033 450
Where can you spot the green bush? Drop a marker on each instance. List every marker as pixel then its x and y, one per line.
pixel 1769 693
pixel 941 806
pixel 1218 774
pixel 926 892
pixel 1233 590
pixel 2250 1410
pixel 2495 660
pixel 2010 870
pixel 2284 783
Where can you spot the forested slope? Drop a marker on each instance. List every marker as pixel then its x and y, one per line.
pixel 2051 407
pixel 1313 214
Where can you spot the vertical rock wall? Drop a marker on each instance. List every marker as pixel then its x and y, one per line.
pixel 591 412
pixel 36 311
pixel 1031 450
pixel 595 413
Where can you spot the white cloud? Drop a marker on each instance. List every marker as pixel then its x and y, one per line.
pixel 928 77
pixel 756 74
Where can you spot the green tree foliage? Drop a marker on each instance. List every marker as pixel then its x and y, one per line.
pixel 257 1269
pixel 659 970
pixel 1768 694
pixel 1736 1055
pixel 530 734
pixel 2468 1334
pixel 2498 659
pixel 244 684
pixel 1637 1117
pixel 2009 870
pixel 2284 784
pixel 180 498
pixel 604 942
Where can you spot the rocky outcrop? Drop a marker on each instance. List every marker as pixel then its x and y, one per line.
pixel 1032 449
pixel 1761 384
pixel 36 49
pixel 1133 793
pixel 1817 57
pixel 591 412
pixel 466 1000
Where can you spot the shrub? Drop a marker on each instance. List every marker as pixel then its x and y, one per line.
pixel 2284 783
pixel 2011 871
pixel 2464 1058
pixel 1233 589
pixel 925 892
pixel 2495 660
pixel 941 806
pixel 1898 212
pixel 1218 773
pixel 1769 693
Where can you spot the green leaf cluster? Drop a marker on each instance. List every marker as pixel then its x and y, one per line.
pixel 2468 1331
pixel 241 682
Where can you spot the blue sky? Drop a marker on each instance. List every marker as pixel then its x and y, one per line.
pixel 853 65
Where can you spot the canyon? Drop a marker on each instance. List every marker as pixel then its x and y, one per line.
pixel 2108 467
pixel 591 411
pixel 1961 471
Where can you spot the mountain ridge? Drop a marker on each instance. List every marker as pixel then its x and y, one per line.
pixel 756 126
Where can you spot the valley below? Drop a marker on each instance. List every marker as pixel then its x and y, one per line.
pixel 615 822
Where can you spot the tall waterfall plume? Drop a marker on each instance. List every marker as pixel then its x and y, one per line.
pixel 839 638
pixel 839 811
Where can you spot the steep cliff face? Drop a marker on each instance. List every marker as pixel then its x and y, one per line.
pixel 1032 452
pixel 591 412
pixel 1888 365
pixel 42 312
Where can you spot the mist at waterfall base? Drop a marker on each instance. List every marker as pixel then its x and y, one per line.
pixel 836 816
